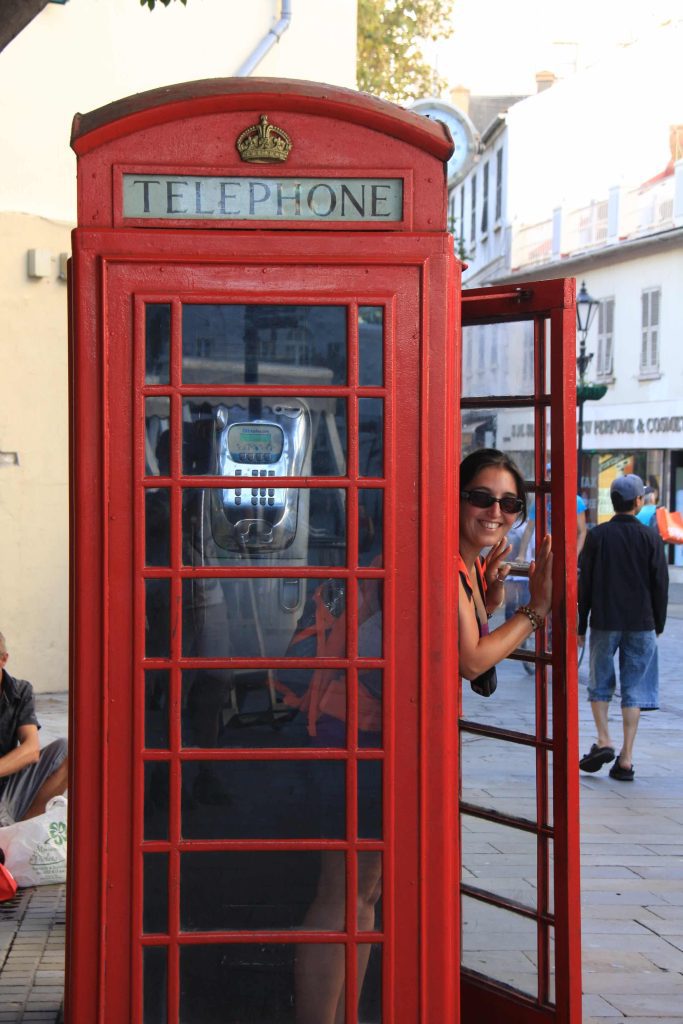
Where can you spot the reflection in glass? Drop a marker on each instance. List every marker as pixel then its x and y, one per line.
pixel 249 436
pixel 370 983
pixel 263 618
pixel 157 342
pixel 499 859
pixel 156 800
pixel 551 966
pixel 264 525
pixel 257 890
pixel 369 890
pixel 499 944
pixel 259 983
pixel 157 526
pixel 155 893
pixel 238 344
pixel 511 430
pixel 257 708
pixel 498 775
pixel 157 618
pixel 498 359
pixel 370 437
pixel 156 709
pixel 370 526
pixel 157 437
pixel 263 800
pixel 370 708
pixel 369 799
pixel 154 983
pixel 370 336
pixel 370 596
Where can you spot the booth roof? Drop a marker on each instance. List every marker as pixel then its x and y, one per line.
pixel 216 95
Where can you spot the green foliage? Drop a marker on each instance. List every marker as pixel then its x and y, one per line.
pixel 151 3
pixel 390 60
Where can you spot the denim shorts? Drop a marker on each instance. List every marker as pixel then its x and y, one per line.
pixel 638 667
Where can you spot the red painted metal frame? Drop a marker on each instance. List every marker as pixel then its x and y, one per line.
pixel 550 302
pixel 417 285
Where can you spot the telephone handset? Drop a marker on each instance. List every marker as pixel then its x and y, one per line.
pixel 258 515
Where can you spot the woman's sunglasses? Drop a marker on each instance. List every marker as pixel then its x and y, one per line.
pixel 484 499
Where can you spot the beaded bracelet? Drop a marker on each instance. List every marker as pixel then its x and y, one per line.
pixel 534 618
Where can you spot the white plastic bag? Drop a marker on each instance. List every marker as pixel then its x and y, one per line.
pixel 35 850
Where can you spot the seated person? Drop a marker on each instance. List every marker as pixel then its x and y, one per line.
pixel 29 776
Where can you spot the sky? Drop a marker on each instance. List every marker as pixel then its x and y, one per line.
pixel 499 45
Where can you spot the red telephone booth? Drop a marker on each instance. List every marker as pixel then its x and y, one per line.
pixel 265 710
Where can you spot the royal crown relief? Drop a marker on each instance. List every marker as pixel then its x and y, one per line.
pixel 264 143
pixel 187 197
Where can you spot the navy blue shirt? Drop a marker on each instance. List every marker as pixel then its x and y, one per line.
pixel 16 709
pixel 624 581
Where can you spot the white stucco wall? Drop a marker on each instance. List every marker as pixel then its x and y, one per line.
pixel 73 58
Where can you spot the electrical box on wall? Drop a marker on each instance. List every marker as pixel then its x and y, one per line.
pixel 38 263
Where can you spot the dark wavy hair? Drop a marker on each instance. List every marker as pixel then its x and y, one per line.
pixel 482 458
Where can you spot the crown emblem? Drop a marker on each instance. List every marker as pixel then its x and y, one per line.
pixel 263 143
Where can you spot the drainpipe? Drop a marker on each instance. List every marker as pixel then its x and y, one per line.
pixel 269 41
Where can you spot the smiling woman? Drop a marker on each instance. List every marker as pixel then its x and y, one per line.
pixel 492 501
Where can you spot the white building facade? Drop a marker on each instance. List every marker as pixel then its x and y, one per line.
pixel 588 179
pixel 76 57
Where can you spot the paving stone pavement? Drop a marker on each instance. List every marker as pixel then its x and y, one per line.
pixel 631 853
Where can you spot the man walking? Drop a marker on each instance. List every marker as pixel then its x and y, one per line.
pixel 623 586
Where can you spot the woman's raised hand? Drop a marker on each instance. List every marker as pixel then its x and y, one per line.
pixel 541 578
pixel 495 572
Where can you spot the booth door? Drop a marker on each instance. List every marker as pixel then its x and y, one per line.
pixel 519 815
pixel 262 550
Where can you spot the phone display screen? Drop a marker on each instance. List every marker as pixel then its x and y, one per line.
pixel 255 443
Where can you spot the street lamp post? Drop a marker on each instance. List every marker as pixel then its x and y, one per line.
pixel 586 308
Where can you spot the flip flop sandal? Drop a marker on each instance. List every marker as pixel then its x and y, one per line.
pixel 595 758
pixel 622 774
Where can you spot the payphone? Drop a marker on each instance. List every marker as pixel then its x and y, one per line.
pixel 265 313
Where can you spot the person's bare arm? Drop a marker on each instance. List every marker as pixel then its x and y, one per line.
pixel 27 752
pixel 478 654
pixel 581 531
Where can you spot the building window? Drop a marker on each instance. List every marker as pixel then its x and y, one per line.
pixel 473 210
pixel 485 199
pixel 649 347
pixel 499 184
pixel 605 366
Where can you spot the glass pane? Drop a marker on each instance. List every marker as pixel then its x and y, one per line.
pixel 157 526
pixel 500 945
pixel 264 525
pixel 154 983
pixel 369 799
pixel 371 526
pixel 513 705
pixel 155 893
pixel 263 618
pixel 498 775
pixel 157 436
pixel 498 359
pixel 370 596
pixel 235 344
pixel 264 708
pixel 508 865
pixel 156 800
pixel 370 984
pixel 551 965
pixel 264 800
pixel 157 342
pixel 267 436
pixel 370 337
pixel 370 708
pixel 260 983
pixel 157 618
pixel 511 430
pixel 370 436
pixel 369 890
pixel 156 709
pixel 263 890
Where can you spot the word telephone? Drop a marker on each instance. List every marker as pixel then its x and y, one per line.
pixel 259 514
